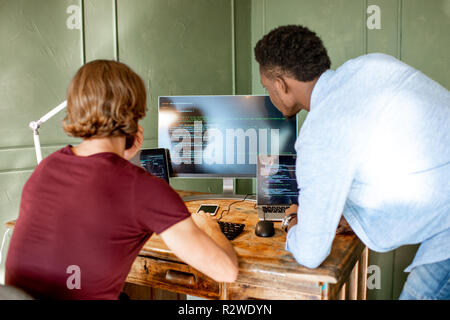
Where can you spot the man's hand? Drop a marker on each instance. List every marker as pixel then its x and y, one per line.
pixel 343 227
pixel 137 145
pixel 207 224
pixel 292 209
pixel 210 226
pixel 214 257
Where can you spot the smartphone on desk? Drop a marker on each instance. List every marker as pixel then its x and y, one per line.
pixel 211 209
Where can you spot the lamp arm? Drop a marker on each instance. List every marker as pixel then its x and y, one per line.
pixel 35 125
pixel 37 146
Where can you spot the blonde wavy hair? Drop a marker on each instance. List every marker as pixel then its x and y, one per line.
pixel 104 99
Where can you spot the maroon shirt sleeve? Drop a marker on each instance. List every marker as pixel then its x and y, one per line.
pixel 158 206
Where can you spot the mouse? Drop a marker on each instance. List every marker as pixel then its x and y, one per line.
pixel 264 228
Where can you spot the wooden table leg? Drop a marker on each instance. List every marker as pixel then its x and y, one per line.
pixel 362 275
pixel 223 291
pixel 353 283
pixel 341 294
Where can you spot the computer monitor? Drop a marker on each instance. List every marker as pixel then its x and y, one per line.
pixel 222 136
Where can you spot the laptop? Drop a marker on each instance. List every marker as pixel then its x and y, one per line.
pixel 277 186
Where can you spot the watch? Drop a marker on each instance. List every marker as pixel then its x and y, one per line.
pixel 286 220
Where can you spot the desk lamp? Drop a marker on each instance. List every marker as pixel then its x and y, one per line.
pixel 35 125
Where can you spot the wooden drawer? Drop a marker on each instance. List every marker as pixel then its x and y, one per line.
pixel 242 291
pixel 173 276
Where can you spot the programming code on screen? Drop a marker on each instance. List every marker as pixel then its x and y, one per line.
pixel 156 165
pixel 222 135
pixel 277 183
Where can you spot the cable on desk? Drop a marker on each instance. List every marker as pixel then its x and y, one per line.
pixel 229 206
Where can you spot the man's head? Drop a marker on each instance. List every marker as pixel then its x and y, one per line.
pixel 104 99
pixel 291 59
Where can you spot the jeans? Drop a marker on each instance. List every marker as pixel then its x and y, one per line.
pixel 428 282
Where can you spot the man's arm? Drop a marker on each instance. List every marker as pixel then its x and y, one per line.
pixel 326 164
pixel 203 246
pixel 212 229
pixel 343 227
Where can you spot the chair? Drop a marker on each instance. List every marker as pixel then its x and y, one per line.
pixel 8 292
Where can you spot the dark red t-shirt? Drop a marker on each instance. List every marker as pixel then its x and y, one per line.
pixel 92 213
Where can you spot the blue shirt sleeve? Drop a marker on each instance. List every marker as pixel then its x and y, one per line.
pixel 325 170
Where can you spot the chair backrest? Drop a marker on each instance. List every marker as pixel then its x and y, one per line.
pixel 12 293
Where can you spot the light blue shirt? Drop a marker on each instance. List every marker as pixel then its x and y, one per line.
pixel 375 146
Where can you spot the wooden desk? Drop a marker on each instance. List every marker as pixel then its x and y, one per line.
pixel 266 270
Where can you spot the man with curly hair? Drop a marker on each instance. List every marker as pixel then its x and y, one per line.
pixel 373 148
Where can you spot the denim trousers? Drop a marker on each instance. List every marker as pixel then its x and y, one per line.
pixel 428 282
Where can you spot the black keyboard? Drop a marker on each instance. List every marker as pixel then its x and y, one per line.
pixel 230 229
pixel 274 209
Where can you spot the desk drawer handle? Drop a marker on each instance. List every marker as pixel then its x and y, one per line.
pixel 180 277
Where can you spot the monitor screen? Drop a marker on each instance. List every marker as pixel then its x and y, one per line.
pixel 221 136
pixel 277 183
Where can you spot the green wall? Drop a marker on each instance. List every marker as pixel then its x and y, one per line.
pixel 38 56
pixel 187 47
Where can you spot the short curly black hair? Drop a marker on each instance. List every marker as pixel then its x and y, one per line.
pixel 293 50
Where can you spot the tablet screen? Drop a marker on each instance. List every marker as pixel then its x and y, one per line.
pixel 155 162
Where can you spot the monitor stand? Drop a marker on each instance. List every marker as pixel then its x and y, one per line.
pixel 228 186
pixel 228 193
